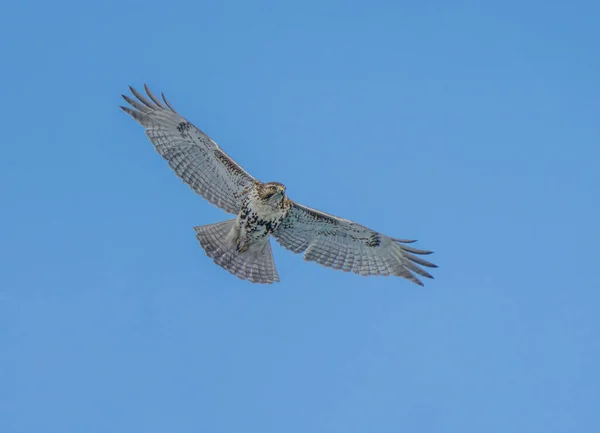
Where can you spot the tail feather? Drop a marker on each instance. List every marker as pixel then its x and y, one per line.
pixel 219 244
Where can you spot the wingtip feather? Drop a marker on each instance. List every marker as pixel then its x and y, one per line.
pixel 154 98
pixel 405 241
pixel 415 250
pixel 167 102
pixel 142 98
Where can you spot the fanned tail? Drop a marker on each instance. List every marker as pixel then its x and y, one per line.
pixel 218 241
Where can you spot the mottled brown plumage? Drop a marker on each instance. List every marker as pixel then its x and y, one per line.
pixel 242 245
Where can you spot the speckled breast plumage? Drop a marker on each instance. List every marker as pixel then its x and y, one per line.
pixel 258 219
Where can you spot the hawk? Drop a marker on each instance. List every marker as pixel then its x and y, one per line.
pixel 242 245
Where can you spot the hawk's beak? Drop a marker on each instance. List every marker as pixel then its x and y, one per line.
pixel 281 190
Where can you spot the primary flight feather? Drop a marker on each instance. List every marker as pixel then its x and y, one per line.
pixel 242 245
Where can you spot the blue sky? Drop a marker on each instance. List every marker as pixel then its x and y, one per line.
pixel 471 127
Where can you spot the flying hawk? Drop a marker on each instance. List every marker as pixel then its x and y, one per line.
pixel 242 245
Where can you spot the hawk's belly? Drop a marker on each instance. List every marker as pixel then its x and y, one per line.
pixel 256 222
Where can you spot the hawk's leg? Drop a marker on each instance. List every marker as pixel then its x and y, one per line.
pixel 242 244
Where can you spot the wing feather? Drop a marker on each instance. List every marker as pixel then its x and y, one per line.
pixel 342 244
pixel 192 154
pixel 154 98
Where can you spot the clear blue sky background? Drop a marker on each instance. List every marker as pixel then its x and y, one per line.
pixel 474 128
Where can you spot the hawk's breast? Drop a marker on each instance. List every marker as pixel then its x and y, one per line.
pixel 258 218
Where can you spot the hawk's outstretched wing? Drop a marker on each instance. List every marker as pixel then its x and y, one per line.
pixel 341 244
pixel 191 153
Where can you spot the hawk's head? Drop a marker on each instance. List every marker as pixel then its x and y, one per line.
pixel 273 192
